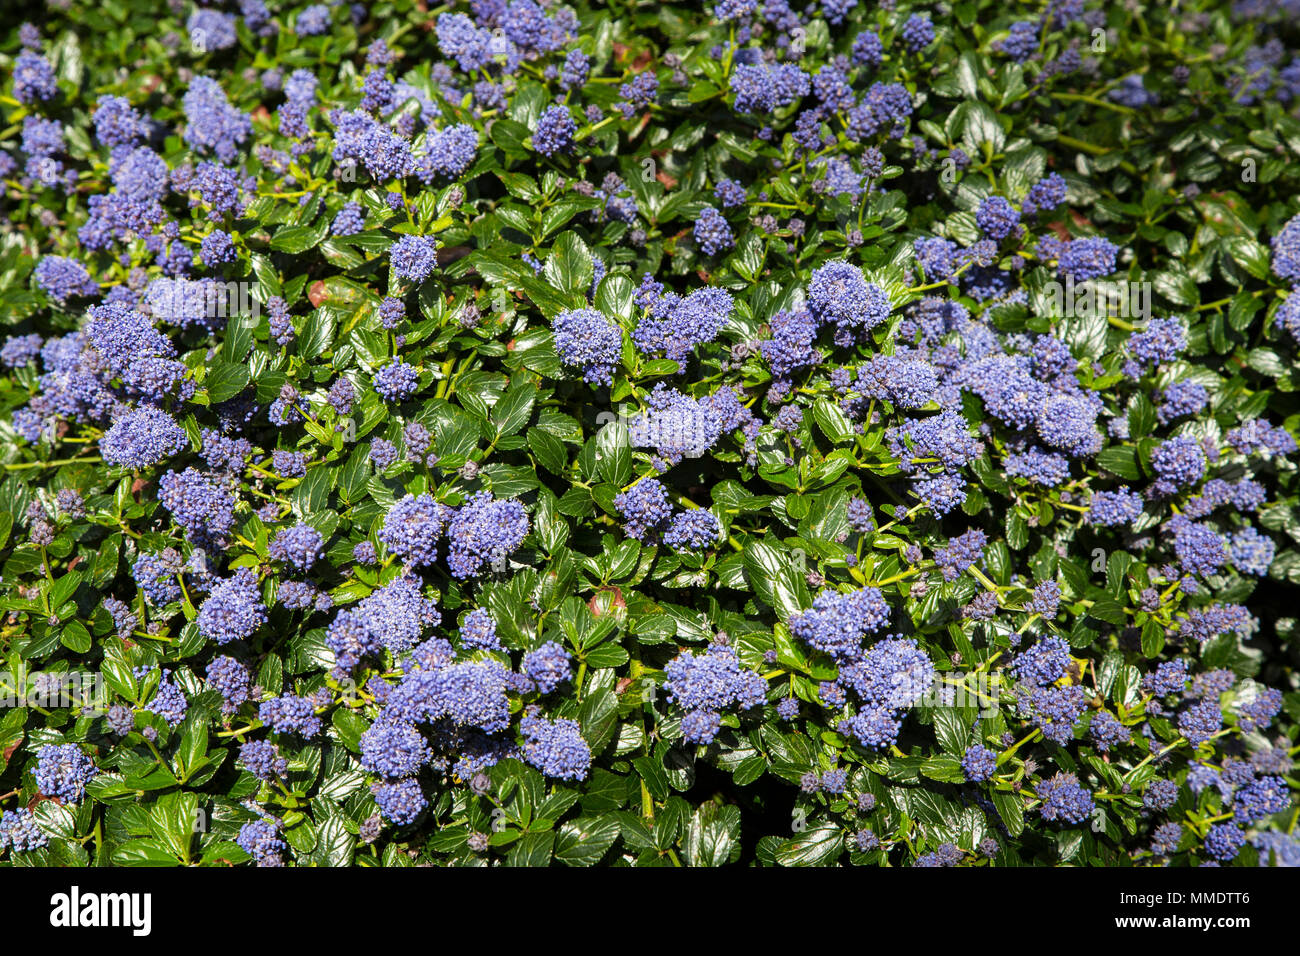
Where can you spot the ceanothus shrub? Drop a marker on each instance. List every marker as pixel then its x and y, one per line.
pixel 774 433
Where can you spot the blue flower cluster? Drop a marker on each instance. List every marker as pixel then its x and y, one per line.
pixel 588 341
pixel 233 609
pixel 705 684
pixel 63 770
pixel 386 538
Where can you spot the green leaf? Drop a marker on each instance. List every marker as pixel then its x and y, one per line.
pixel 520 186
pixel 514 408
pixel 533 849
pixel 946 769
pixel 713 836
pixel 548 450
pixel 549 299
pixel 334 844
pixel 350 727
pixel 76 638
pixel 952 728
pixel 317 334
pixel 225 380
pixel 817 847
pixel 1120 461
pixel 1011 809
pixel 614 453
pixel 510 135
pixel 615 297
pixel 1248 254
pixel 832 421
pixel 582 842
pixel 296 239
pixel 1176 285
pixel 568 267
pixel 975 122
pixel 148 852
pixel 776 579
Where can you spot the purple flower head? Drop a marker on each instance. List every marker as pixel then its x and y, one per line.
pixel 840 294
pixel 290 714
pixel 1021 42
pixel 412 529
pixel 692 531
pixel 484 531
pixel 212 124
pixel 644 507
pixel 917 33
pixel 313 21
pixel 263 760
pixel 585 339
pixel 414 257
pixel 554 131
pixel 63 279
pixel 708 683
pixel 211 30
pixel 1286 251
pixel 261 840
pixel 1064 800
pixel 675 325
pixel 838 623
pixel 396 381
pixel 997 219
pixel 20 832
pixel 202 506
pixel 1109 508
pixel 979 763
pixel 401 802
pixel 34 79
pixel 961 553
pixel 479 631
pixel 63 770
pixel 141 438
pixel 547 667
pixel 234 609
pixel 762 88
pixel 712 232
pixel 300 546
pixel 1044 663
pixel 393 749
pixel 1085 259
pixel 231 679
pixel 555 747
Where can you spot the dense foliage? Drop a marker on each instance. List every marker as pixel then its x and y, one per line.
pixel 655 434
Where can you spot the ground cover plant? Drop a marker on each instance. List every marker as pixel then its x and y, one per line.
pixel 515 433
